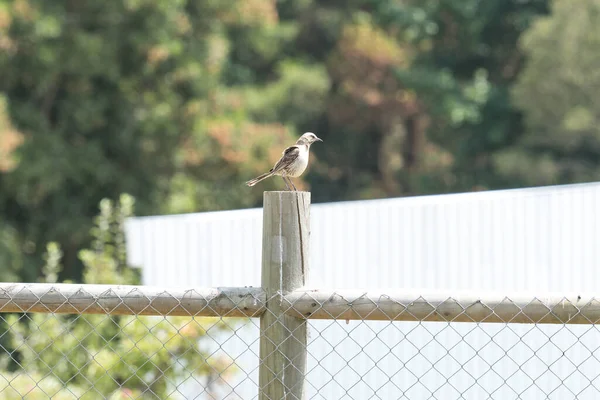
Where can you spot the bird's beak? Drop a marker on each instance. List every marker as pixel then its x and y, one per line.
pixel 318 139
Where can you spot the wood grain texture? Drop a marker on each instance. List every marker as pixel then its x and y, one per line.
pixel 284 268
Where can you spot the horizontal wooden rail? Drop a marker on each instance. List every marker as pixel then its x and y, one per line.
pixel 439 306
pixel 130 300
pixel 347 304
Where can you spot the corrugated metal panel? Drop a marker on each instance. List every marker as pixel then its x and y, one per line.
pixel 532 240
pixel 207 249
pixel 540 239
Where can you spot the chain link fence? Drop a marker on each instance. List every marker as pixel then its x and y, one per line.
pixel 124 342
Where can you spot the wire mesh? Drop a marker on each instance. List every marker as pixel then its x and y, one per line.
pixel 90 356
pixel 406 355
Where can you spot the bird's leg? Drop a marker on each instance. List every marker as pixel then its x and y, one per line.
pixel 286 183
pixel 289 180
pixel 291 183
pixel 294 186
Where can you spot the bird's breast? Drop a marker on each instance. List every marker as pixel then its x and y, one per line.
pixel 299 165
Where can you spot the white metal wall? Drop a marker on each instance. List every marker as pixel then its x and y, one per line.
pixel 530 240
pixel 538 239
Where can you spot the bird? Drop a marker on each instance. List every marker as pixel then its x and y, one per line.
pixel 292 163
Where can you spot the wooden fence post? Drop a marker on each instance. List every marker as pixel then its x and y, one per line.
pixel 285 246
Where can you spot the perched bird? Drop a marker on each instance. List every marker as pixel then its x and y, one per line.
pixel 293 162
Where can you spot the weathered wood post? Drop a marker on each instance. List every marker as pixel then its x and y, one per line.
pixel 285 255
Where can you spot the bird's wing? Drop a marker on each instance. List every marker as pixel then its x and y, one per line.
pixel 289 155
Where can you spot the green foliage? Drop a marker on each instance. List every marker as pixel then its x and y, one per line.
pixel 92 356
pixel 467 62
pixel 296 98
pixel 557 93
pixel 180 102
pixel 11 258
pixel 104 94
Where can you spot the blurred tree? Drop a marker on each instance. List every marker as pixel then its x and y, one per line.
pixel 100 356
pixel 557 93
pixel 11 257
pixel 437 125
pixel 122 96
pixel 466 62
pixel 102 94
pixel 374 128
pixel 383 123
pixel 180 102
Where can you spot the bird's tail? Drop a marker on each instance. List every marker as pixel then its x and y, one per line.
pixel 259 178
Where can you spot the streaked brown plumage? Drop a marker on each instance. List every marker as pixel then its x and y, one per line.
pixel 293 162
